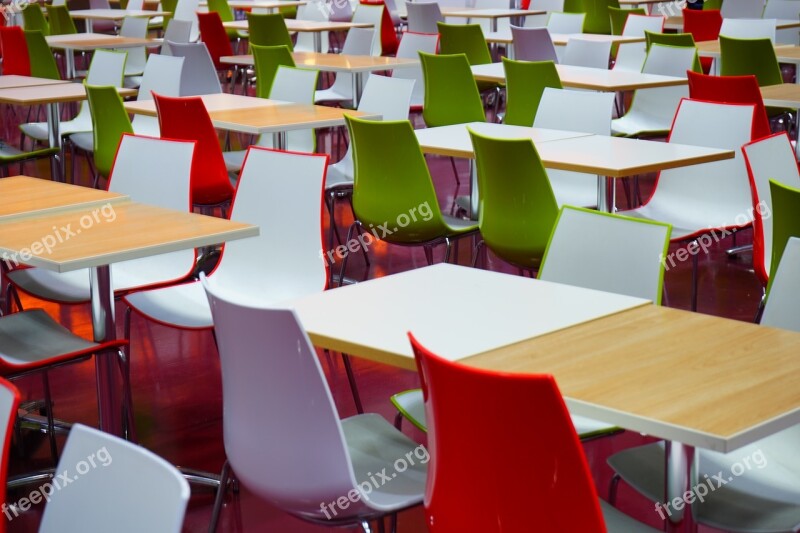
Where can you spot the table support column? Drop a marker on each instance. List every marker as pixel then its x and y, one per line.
pixel 108 382
pixel 279 140
pixel 678 490
pixel 89 26
pixel 54 140
pixel 356 89
pixel 318 42
pixel 602 200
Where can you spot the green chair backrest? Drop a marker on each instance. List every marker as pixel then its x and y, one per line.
pixel 43 64
pixel 785 221
pixel 517 206
pixel 597 15
pixel 109 121
pixel 674 39
pixel 465 39
pixel 392 185
pixel 712 4
pixel 222 8
pixel 618 16
pixel 525 83
pixel 61 22
pixel 750 56
pixel 268 29
pixel 451 94
pixel 170 6
pixel 267 59
pixel 33 19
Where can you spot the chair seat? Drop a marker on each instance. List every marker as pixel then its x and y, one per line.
pixel 619 522
pixel 573 188
pixel 687 218
pixel 38 130
pixel 340 175
pixel 234 160
pixel 9 154
pixel 330 95
pixel 84 141
pixel 640 124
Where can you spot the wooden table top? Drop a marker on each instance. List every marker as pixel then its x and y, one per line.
pixel 596 79
pixel 697 379
pixel 45 94
pixel 23 196
pixel 334 62
pixel 561 39
pixel 13 80
pixel 94 41
pixel 115 14
pixel 212 102
pixel 783 95
pixel 96 238
pixel 477 13
pixel 305 25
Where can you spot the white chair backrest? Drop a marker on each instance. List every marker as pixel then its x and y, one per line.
pixel 566 22
pixel 584 111
pixel 669 60
pixel 388 97
pixel 394 14
pixel 178 31
pixel 607 252
pixel 198 75
pixel 294 85
pixel 636 25
pixel 771 158
pixel 273 188
pixel 788 10
pixel 630 57
pixel 134 27
pixel 423 16
pixel 105 466
pixel 135 4
pixel 162 74
pixel 358 42
pixel 749 28
pixel 547 5
pixel 137 57
pixel 187 10
pixel 780 310
pixel 107 68
pixel 533 44
pixel 59 2
pixel 305 40
pixel 371 14
pixel 742 9
pixel 585 53
pixel 341 11
pixel 410 46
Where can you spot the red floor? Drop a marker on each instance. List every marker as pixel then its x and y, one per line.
pixel 177 394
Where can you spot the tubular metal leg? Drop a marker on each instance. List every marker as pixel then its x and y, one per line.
pixel 220 497
pixel 103 326
pixel 365 526
pixel 51 428
pixel 351 378
pixel 679 460
pixel 694 244
pixel 54 141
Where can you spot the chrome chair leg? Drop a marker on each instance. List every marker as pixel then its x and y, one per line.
pixel 455 170
pixel 51 427
pixel 351 378
pixel 220 497
pixel 365 526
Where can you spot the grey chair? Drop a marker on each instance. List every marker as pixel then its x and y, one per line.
pixel 423 16
pixel 199 75
pixel 533 44
pixel 178 31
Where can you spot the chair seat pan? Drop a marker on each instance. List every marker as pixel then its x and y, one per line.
pixel 9 154
pixel 234 160
pixel 73 287
pixel 339 175
pixel 687 218
pixel 573 188
pixel 38 130
pixel 330 95
pixel 639 125
pixel 619 522
pixel 31 337
pixel 84 141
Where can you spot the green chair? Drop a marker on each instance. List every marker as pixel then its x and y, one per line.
pixel 451 94
pixel 226 15
pixel 61 22
pixel 674 39
pixel 464 39
pixel 393 195
pixel 267 59
pixel 169 6
pixel 10 155
pixel 268 29
pixel 110 121
pixel 33 19
pixel 712 4
pixel 517 206
pixel 739 57
pixel 785 221
pixel 597 15
pixel 618 16
pixel 43 64
pixel 525 82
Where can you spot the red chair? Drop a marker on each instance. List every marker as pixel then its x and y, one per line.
pixel 14 51
pixel 704 25
pixel 213 33
pixel 521 469
pixel 389 41
pixel 9 401
pixel 186 119
pixel 732 90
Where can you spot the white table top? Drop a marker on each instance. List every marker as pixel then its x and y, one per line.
pixel 371 319
pixel 114 14
pixel 213 102
pixel 13 80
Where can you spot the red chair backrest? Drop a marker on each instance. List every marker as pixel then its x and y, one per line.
pixel 389 41
pixel 732 90
pixel 14 50
pixel 704 25
pixel 213 33
pixel 186 119
pixel 521 468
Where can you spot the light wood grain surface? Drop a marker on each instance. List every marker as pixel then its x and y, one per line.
pixel 697 379
pixel 115 14
pixel 477 13
pixel 561 39
pixel 95 41
pixel 10 81
pixel 44 94
pixel 282 118
pixel 212 102
pixel 27 196
pixel 333 62
pixel 784 95
pixel 304 25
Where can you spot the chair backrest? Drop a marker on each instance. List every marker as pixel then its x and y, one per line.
pixel 178 31
pixel 786 223
pixel 222 8
pixel 410 46
pixel 14 51
pixel 732 90
pixel 517 206
pixel 273 188
pixel 566 22
pixel 423 16
pixel 533 44
pixel 33 19
pixel 106 68
pixel 358 41
pixel 268 29
pixel 305 40
pixel 668 60
pixel 198 75
pixel 618 16
pixel 9 401
pixel 788 10
pixel 742 9
pixel 751 28
pixel 674 39
pixel 162 74
pixel 61 22
pixel 294 85
pixel 620 254
pixel 106 465
pixel 704 25
pixel 388 97
pixel 586 53
pixel 780 309
pixel 525 83
pixel 549 478
pixel 371 13
pixel 451 94
pixel 187 119
pixel 267 59
pixel 215 37
pixel 769 158
pixel 546 5
pixel 740 57
pixel 137 57
pixel 465 39
pixel 636 25
pixel 187 10
pixel 43 64
pixel 583 111
pixel 109 122
pixel 341 11
pixel 597 19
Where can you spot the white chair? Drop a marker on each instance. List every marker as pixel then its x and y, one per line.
pixel 305 40
pixel 162 75
pixel 787 10
pixel 178 31
pixel 359 41
pixel 198 75
pixel 107 69
pixel 372 14
pixel 135 27
pixel 565 22
pixel 749 28
pixel 586 53
pixel 410 46
pixel 767 496
pixel 422 17
pixel 291 85
pixel 104 495
pixel 187 10
pixel 150 171
pixel 306 457
pixel 742 9
pixel 652 110
pixel 274 188
pixel 583 111
pixel 533 44
pixel 631 56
